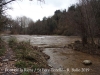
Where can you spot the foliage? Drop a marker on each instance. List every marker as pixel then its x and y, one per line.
pixel 2 46
pixel 21 64
pixel 2 51
pixel 28 55
pixel 25 73
pixel 12 41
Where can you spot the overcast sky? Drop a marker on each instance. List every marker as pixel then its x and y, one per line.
pixel 36 10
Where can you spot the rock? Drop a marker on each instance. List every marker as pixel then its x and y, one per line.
pixel 87 62
pixel 1 64
pixel 50 65
pixel 64 46
pixel 12 60
pixel 74 48
pixel 1 73
pixel 35 47
pixel 0 59
pixel 15 59
pixel 77 42
pixel 70 46
pixel 5 60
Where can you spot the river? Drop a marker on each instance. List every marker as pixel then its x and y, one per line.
pixel 68 60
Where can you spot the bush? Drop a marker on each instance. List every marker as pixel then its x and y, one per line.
pixel 2 46
pixel 27 54
pixel 30 58
pixel 35 67
pixel 23 51
pixel 2 51
pixel 25 73
pixel 21 64
pixel 2 43
pixel 12 41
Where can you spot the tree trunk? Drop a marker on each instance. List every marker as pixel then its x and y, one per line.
pixel 84 40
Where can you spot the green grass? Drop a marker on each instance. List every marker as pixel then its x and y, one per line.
pixel 27 55
pixel 12 41
pixel 2 51
pixel 25 73
pixel 2 47
pixel 21 64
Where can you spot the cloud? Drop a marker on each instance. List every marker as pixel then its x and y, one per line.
pixel 59 3
pixel 37 10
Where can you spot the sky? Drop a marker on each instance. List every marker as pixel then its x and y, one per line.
pixel 37 10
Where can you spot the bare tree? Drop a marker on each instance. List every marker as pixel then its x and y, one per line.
pixel 23 22
pixel 5 2
pixel 89 14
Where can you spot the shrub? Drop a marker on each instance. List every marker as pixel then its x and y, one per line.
pixel 25 73
pixel 2 43
pixel 2 51
pixel 27 54
pixel 30 58
pixel 21 64
pixel 2 46
pixel 35 67
pixel 12 41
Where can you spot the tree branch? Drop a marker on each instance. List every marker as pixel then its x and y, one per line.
pixel 6 3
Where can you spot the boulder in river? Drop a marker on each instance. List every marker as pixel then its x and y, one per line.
pixel 87 62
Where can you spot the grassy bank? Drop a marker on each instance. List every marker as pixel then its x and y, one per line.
pixel 28 56
pixel 2 46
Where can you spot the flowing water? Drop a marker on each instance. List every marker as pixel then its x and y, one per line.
pixel 64 61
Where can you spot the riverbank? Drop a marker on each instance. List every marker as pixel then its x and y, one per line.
pixel 22 55
pixel 88 48
pixel 60 55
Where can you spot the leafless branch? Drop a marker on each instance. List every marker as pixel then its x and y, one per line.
pixel 6 2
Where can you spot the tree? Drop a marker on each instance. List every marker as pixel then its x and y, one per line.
pixel 71 8
pixel 2 16
pixel 84 17
pixel 89 11
pixel 3 7
pixel 57 15
pixel 23 22
pixel 81 24
pixel 5 2
pixel 15 28
pixel 30 28
pixel 52 25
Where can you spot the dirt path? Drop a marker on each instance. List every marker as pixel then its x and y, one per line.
pixel 7 62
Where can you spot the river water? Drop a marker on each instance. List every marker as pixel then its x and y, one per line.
pixel 67 60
